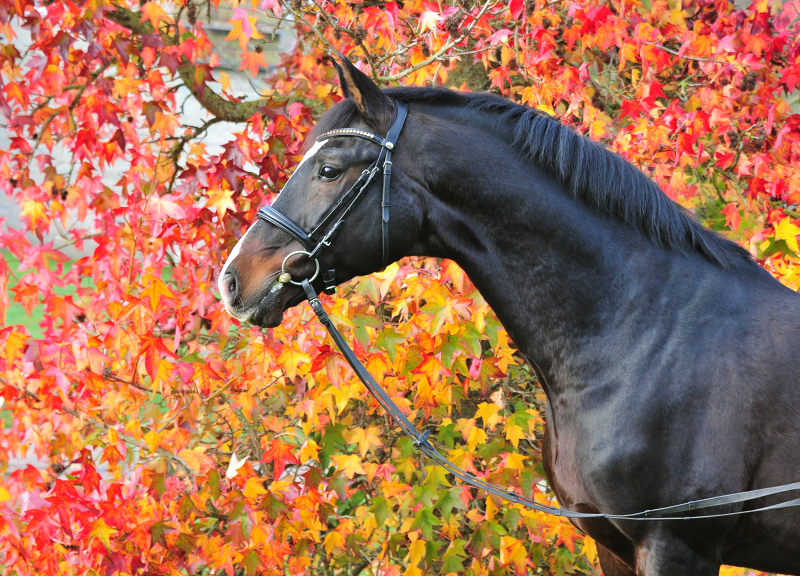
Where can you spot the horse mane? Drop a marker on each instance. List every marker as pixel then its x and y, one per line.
pixel 599 177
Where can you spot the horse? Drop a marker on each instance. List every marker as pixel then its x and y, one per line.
pixel 666 353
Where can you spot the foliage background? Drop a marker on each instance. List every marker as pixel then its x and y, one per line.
pixel 175 441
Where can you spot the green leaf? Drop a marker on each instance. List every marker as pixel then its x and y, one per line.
pixel 425 521
pixel 380 509
pixel 448 434
pixel 527 476
pixel 158 534
pixel 273 506
pixel 185 508
pixel 453 556
pixel 214 484
pixel 431 551
pixel 436 476
pixel 450 499
pixel 251 562
pixel 388 339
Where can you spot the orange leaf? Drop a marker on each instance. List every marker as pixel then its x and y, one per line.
pixel 155 13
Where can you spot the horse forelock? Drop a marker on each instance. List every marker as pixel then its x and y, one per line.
pixel 594 174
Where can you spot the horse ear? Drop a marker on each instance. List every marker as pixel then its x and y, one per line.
pixel 371 102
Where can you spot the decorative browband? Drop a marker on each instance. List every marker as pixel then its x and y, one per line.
pixel 353 132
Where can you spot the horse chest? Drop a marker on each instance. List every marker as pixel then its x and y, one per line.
pixel 585 464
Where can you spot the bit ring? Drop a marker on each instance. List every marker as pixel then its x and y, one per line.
pixel 288 277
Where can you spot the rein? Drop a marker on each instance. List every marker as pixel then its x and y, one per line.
pixel 315 244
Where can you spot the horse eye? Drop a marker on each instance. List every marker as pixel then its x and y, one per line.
pixel 329 172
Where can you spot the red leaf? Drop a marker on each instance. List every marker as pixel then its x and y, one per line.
pixel 279 454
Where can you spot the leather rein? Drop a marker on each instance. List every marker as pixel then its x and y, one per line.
pixel 316 242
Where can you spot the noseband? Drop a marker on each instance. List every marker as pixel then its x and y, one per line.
pixel 315 242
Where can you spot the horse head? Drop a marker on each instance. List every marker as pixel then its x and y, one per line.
pixel 332 202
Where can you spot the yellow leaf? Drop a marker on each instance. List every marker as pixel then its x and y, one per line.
pixel 476 436
pixel 132 428
pixel 191 459
pixel 590 549
pixel 788 232
pixel 153 440
pixel 489 414
pixel 225 81
pixel 333 540
pixel 254 488
pixel 309 451
pixel 350 465
pixel 491 509
pixel 162 374
pixel 221 201
pixel 416 551
pixel 506 55
pixel 515 461
pixel 514 434
pixel 102 531
pixel 5 495
pixel 365 439
pixel 34 211
pixel 597 130
pixel 280 487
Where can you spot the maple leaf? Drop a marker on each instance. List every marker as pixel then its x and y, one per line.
pixel 279 454
pixel 349 464
pixel 416 552
pixel 156 290
pixel 476 436
pixel 273 5
pixel 429 20
pixel 332 541
pixel 252 61
pixel 243 28
pixel 489 414
pixel 514 434
pixel 221 200
pixel 254 488
pixel 102 532
pixel 36 212
pixel 161 207
pixel 233 467
pixel 732 216
pixel 785 230
pixel 309 451
pixel 155 13
pixel 366 439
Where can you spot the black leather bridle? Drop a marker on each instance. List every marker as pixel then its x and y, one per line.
pixel 314 242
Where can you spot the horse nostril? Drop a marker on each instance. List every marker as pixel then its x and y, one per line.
pixel 230 284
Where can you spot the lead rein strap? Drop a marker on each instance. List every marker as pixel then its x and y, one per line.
pixel 420 440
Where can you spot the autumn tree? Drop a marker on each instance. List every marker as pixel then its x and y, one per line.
pixel 173 440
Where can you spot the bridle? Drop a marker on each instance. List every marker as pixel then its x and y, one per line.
pixel 315 243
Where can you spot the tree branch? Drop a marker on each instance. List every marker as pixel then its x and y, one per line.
pixel 210 100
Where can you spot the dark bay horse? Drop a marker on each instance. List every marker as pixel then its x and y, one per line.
pixel 669 358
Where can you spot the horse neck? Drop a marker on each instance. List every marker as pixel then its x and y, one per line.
pixel 559 274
